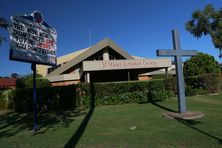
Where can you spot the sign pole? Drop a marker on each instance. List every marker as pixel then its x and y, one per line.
pixel 32 40
pixel 34 97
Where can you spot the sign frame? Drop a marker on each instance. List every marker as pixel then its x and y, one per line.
pixel 32 40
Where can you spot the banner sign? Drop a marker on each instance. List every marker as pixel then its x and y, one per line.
pixel 32 39
pixel 125 64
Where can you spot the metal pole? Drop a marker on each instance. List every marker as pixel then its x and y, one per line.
pixel 128 73
pixel 34 97
pixel 179 72
pixel 166 72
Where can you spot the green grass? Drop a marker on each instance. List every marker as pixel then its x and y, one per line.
pixel 109 126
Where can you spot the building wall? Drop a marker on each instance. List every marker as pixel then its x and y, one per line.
pixel 144 77
pixel 43 69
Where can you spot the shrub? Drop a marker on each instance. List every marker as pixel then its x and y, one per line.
pixel 27 81
pixel 157 91
pixel 171 86
pixel 108 93
pixel 207 82
pixel 2 101
pixel 89 94
pixel 21 100
pixel 5 101
pixel 190 91
pixel 200 65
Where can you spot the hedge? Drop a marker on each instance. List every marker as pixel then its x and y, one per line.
pixel 52 97
pixel 89 94
pixel 65 97
pixel 203 84
pixel 197 85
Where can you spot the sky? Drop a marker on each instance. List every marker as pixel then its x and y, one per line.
pixel 140 27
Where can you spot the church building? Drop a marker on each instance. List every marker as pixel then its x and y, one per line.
pixel 102 62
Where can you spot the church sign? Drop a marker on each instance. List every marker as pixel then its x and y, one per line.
pixel 32 39
pixel 125 64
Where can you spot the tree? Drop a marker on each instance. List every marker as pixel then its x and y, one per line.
pixel 27 81
pixel 200 64
pixel 207 22
pixel 15 75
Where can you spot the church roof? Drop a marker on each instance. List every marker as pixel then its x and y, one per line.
pixel 7 82
pixel 79 56
pixel 68 57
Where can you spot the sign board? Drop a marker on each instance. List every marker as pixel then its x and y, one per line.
pixel 32 39
pixel 125 64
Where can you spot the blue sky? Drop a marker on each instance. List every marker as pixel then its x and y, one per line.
pixel 138 26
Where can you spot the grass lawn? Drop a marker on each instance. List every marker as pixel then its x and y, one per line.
pixel 109 126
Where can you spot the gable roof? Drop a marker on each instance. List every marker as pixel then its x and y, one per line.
pixel 68 57
pixel 89 52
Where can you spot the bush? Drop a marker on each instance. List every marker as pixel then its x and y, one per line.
pixel 190 91
pixel 157 91
pixel 27 81
pixel 2 101
pixel 196 85
pixel 200 64
pixel 171 86
pixel 65 97
pixel 21 100
pixel 207 82
pixel 5 102
pixel 120 93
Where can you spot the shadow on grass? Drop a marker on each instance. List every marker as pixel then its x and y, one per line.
pixel 14 123
pixel 163 107
pixel 189 123
pixel 73 141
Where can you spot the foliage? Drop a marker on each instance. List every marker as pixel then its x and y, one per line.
pixel 85 94
pixel 207 82
pixel 5 100
pixel 2 101
pixel 190 91
pixel 27 81
pixel 207 22
pixel 52 97
pixel 200 64
pixel 157 91
pixel 196 85
pixel 111 93
pixel 15 75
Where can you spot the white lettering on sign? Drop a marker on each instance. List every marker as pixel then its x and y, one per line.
pixel 31 38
